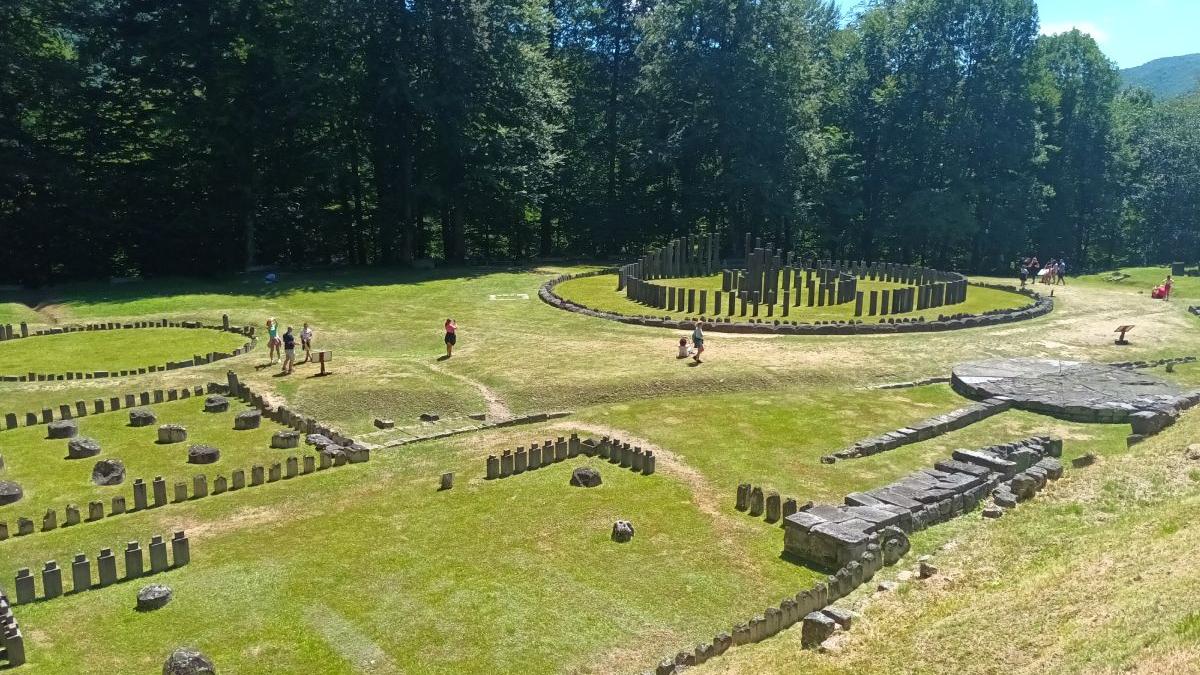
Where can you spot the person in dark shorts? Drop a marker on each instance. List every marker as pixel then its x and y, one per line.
pixel 289 351
pixel 451 337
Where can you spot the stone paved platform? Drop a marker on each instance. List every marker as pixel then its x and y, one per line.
pixel 1074 390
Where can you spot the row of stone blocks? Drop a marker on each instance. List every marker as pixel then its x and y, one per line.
pixel 830 536
pixel 196 360
pixel 510 463
pixel 757 502
pixel 278 414
pixel 1154 363
pixel 7 332
pixel 12 643
pixel 80 408
pixel 923 430
pixel 684 257
pixel 155 494
pixel 809 607
pixel 82 579
pixel 1042 305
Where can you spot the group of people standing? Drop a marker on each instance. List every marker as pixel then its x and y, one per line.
pixel 1054 273
pixel 285 345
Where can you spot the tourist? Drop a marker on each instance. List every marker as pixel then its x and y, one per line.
pixel 1062 273
pixel 273 339
pixel 451 337
pixel 289 351
pixel 1024 275
pixel 684 352
pixel 1034 266
pixel 698 341
pixel 306 342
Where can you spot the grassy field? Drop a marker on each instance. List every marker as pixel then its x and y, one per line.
pixel 370 569
pixel 111 349
pixel 599 292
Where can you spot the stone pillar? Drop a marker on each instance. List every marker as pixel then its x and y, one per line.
pixel 274 472
pixel 118 506
pixel 648 463
pixel 81 573
pixel 72 515
pixel 106 566
pixel 291 467
pixel 180 549
pixel 520 460
pixel 257 474
pixel 160 491
pixel 773 507
pixel 743 497
pixel 158 554
pixel 560 449
pixel 493 467
pixel 50 520
pixel 573 445
pixel 95 510
pixel 181 493
pixel 506 464
pixel 24 586
pixel 199 486
pixel 789 507
pixel 52 585
pixel 885 302
pixel 858 303
pixel 237 479
pixel 756 501
pixel 535 456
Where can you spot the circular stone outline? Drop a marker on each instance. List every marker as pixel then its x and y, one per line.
pixel 1042 305
pixel 210 357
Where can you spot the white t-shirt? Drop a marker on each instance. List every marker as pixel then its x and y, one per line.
pixel 306 334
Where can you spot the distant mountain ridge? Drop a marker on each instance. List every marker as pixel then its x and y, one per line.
pixel 1166 77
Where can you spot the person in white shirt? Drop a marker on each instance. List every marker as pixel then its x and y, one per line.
pixel 306 342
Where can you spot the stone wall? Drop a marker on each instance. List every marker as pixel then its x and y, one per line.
pixel 1041 306
pixel 67 411
pixel 12 643
pixel 8 333
pixel 831 536
pixel 923 430
pixel 106 574
pixel 511 463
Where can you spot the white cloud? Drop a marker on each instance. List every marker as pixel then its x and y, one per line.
pixel 1098 34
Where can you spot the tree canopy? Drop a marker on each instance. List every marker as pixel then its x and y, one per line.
pixel 148 138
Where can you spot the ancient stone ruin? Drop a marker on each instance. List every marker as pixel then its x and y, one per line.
pixel 622 531
pixel 62 429
pixel 585 476
pixel 832 536
pixel 188 661
pixel 80 448
pixel 142 417
pixel 203 454
pixel 172 433
pixel 153 597
pixel 10 492
pixel 108 472
pixel 247 419
pixel 216 404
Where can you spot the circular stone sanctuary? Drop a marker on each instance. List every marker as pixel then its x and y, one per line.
pixel 1092 392
pixel 774 291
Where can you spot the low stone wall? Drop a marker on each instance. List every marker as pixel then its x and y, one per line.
pixel 67 411
pixel 923 430
pixel 1155 363
pixel 1041 305
pixel 511 463
pixel 531 418
pixel 830 536
pixel 82 578
pixel 765 502
pixel 8 333
pixel 12 643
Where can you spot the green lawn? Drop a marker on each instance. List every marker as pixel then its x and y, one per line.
pixel 50 480
pixel 369 568
pixel 599 292
pixel 110 350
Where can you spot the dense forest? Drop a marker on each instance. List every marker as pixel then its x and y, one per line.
pixel 145 137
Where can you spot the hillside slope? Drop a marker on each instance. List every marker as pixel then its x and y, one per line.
pixel 1167 77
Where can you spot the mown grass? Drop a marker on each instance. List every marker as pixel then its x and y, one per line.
pixel 50 480
pixel 111 350
pixel 599 292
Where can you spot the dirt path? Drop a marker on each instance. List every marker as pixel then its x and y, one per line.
pixel 497 409
pixel 53 312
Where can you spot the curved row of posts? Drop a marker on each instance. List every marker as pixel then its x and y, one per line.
pixel 775 279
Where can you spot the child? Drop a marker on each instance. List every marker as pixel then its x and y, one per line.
pixel 451 337
pixel 698 341
pixel 306 342
pixel 684 352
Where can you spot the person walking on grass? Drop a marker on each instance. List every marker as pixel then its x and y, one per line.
pixel 289 351
pixel 451 337
pixel 698 342
pixel 306 342
pixel 273 339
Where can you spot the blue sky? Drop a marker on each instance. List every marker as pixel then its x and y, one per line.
pixel 1131 32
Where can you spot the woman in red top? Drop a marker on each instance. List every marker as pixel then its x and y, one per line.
pixel 451 336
